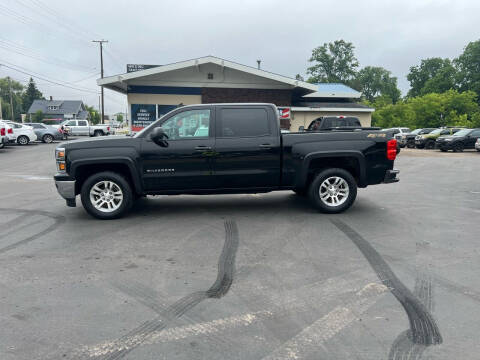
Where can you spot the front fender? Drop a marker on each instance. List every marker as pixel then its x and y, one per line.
pixel 75 164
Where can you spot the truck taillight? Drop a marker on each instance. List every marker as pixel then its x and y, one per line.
pixel 10 130
pixel 108 128
pixel 391 149
pixel 2 132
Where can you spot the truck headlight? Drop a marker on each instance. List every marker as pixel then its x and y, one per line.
pixel 60 160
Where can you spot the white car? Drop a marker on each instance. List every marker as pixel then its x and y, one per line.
pixel 23 133
pixel 9 131
pixel 3 135
pixel 400 134
pixel 477 144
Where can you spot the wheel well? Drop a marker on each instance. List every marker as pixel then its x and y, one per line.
pixel 84 171
pixel 347 163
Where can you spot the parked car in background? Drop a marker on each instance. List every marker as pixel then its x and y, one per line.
pixel 83 128
pixel 399 134
pixel 477 145
pixel 11 138
pixel 427 141
pixel 3 135
pixel 24 134
pixel 332 122
pixel 463 139
pixel 410 137
pixel 46 133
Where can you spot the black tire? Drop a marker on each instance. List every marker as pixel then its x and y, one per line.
pixel 458 147
pixel 98 133
pixel 430 145
pixel 323 206
pixel 420 146
pixel 443 150
pixel 120 182
pixel 2 145
pixel 23 140
pixel 411 144
pixel 47 139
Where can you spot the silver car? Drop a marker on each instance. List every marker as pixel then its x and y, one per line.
pixel 477 144
pixel 47 133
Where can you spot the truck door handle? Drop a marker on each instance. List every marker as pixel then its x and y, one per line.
pixel 203 147
pixel 266 146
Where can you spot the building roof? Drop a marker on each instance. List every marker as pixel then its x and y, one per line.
pixel 64 106
pixel 120 82
pixel 334 90
pixel 332 106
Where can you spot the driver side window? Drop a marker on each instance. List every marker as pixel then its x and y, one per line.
pixel 188 124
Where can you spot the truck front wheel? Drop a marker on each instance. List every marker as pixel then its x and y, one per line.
pixel 333 190
pixel 106 195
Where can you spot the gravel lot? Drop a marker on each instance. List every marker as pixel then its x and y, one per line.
pixel 243 276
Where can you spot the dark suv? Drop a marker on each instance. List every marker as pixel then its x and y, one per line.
pixel 463 139
pixel 427 141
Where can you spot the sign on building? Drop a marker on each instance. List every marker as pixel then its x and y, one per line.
pixel 142 115
pixel 139 67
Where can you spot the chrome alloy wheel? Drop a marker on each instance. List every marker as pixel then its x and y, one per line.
pixel 106 196
pixel 334 191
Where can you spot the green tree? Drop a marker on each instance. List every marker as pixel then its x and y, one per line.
pixel 451 108
pixel 374 81
pixel 432 75
pixel 94 115
pixel 120 118
pixel 30 94
pixel 299 77
pixel 468 65
pixel 38 116
pixel 16 88
pixel 333 62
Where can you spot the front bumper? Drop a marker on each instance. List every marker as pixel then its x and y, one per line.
pixel 477 146
pixel 66 189
pixel 391 176
pixel 444 145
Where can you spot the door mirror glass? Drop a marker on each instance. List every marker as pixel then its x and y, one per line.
pixel 159 137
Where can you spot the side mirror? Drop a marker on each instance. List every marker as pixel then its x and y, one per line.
pixel 159 137
pixel 301 128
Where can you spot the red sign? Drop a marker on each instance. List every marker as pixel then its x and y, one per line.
pixel 284 113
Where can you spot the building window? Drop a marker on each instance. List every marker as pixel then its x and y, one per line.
pixel 52 107
pixel 210 76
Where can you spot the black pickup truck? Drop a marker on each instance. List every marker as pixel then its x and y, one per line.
pixel 219 149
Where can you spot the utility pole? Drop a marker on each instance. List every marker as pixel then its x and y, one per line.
pixel 11 101
pixel 0 108
pixel 100 42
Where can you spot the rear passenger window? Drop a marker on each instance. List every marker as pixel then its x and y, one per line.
pixel 82 123
pixel 475 133
pixel 243 122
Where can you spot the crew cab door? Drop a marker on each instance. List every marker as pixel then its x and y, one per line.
pixel 72 127
pixel 186 163
pixel 82 127
pixel 247 147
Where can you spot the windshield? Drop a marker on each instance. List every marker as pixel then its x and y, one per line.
pixel 462 132
pixel 436 131
pixel 406 130
pixel 416 131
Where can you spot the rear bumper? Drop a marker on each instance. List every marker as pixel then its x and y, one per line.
pixel 66 189
pixel 391 176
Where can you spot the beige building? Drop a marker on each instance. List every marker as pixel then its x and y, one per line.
pixel 153 90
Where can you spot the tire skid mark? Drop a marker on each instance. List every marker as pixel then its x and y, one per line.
pixel 58 220
pixel 153 300
pixel 223 282
pixel 423 328
pixel 315 296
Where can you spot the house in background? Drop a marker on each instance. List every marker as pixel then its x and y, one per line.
pixel 154 90
pixel 59 110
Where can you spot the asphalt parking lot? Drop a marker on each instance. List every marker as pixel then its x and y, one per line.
pixel 243 276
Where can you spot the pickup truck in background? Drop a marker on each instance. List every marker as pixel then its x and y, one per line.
pixel 332 122
pixel 83 128
pixel 219 149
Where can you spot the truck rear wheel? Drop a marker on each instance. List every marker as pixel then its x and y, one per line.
pixel 98 133
pixel 333 190
pixel 106 195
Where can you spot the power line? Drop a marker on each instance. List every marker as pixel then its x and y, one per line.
pixel 50 81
